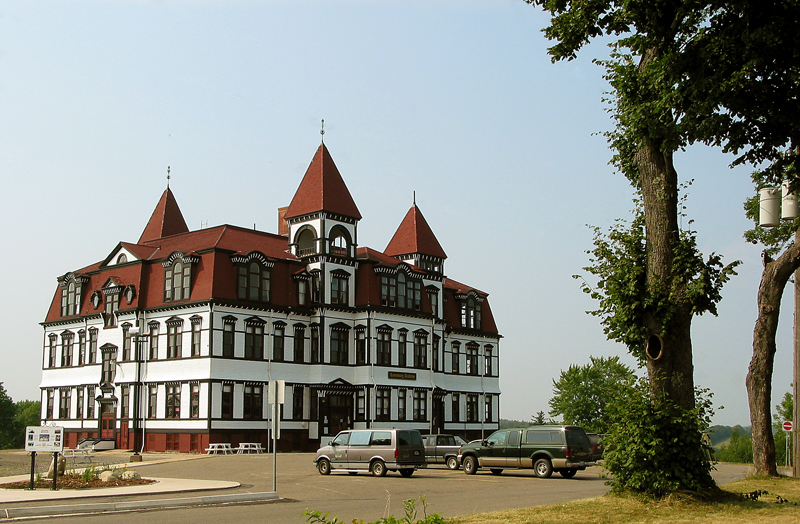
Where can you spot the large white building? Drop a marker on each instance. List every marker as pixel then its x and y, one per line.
pixel 170 343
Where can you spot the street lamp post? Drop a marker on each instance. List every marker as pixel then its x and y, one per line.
pixel 139 341
pixel 776 204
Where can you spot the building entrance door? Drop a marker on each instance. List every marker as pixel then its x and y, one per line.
pixel 438 415
pixel 340 413
pixel 108 419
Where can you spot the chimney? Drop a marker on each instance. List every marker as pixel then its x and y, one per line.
pixel 283 225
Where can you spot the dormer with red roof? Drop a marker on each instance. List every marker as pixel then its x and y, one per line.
pixel 415 243
pixel 322 216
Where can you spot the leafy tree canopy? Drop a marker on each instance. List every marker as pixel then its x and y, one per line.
pixel 7 413
pixel 719 72
pixel 581 393
pixel 619 262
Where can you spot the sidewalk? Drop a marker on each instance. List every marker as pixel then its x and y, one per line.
pixel 35 502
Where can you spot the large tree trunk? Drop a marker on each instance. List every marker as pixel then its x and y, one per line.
pixel 759 377
pixel 672 375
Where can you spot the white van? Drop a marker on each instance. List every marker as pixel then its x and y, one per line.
pixel 373 450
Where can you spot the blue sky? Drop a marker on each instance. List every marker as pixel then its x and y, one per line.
pixel 454 99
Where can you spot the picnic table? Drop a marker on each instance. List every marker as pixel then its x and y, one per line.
pixel 81 454
pixel 249 447
pixel 219 447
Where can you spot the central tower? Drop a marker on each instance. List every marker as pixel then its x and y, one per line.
pixel 323 229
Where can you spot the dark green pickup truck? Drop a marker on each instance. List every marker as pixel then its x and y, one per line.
pixel 565 449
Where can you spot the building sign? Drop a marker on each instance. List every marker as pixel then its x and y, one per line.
pixel 403 376
pixel 44 439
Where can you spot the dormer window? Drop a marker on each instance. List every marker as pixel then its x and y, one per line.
pixel 470 313
pixel 401 291
pixel 388 291
pixel 69 299
pixel 253 277
pixel 111 305
pixel 302 292
pixel 253 282
pixel 71 288
pixel 178 277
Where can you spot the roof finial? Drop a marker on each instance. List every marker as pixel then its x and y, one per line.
pixel 415 199
pixel 322 131
pixel 167 177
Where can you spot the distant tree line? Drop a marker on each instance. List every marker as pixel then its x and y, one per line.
pixel 14 418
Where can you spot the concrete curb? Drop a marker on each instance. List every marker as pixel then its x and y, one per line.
pixel 107 507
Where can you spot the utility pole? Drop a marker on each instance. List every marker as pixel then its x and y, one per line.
pixel 795 385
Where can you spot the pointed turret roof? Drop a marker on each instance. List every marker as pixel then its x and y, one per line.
pixel 322 189
pixel 166 220
pixel 414 236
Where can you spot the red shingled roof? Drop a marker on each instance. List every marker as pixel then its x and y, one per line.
pixel 414 236
pixel 322 189
pixel 232 238
pixel 166 220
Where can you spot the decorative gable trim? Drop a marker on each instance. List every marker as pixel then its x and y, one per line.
pixel 112 287
pixel 470 294
pixel 253 255
pixel 73 277
pixel 186 259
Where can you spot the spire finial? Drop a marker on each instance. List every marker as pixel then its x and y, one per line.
pixel 322 131
pixel 415 199
pixel 167 177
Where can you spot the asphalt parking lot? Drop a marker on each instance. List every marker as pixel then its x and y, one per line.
pixel 361 496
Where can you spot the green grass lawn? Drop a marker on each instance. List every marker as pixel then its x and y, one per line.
pixel 780 504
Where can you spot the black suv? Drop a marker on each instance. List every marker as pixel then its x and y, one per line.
pixel 565 449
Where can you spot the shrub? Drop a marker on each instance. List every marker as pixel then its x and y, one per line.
pixel 655 447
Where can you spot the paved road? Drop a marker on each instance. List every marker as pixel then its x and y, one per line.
pixel 361 496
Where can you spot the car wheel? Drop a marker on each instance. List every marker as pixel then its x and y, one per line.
pixel 324 467
pixel 568 473
pixel 406 472
pixel 543 468
pixel 470 465
pixel 452 462
pixel 496 471
pixel 378 468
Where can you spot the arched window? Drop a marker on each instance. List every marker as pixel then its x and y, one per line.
pixel 306 242
pixel 70 299
pixel 177 281
pixel 339 241
pixel 471 313
pixel 254 282
pixel 339 245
